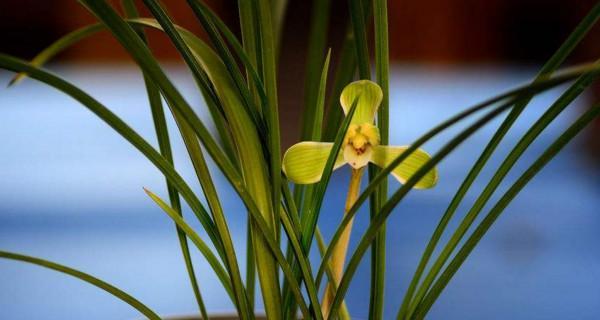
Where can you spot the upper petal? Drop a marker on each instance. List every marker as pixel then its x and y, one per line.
pixel 384 155
pixel 304 162
pixel 369 97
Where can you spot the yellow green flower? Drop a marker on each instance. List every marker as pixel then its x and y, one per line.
pixel 304 162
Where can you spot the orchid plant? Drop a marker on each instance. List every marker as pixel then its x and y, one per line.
pixel 237 76
pixel 304 162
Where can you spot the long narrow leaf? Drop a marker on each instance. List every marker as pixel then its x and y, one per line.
pixel 140 53
pixel 546 70
pixel 358 18
pixel 315 135
pixel 114 291
pixel 123 129
pixel 499 207
pixel 382 71
pixel 200 244
pixel 202 12
pixel 199 164
pixel 561 103
pixel 386 210
pixel 127 37
pixel 160 126
pixel 518 92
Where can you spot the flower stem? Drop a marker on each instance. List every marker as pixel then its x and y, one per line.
pixel 338 257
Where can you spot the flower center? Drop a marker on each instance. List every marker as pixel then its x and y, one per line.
pixel 358 144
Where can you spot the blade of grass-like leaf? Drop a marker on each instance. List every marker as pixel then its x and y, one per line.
pixel 500 206
pixel 319 109
pixel 269 72
pixel 382 70
pixel 398 196
pixel 162 133
pixel 345 72
pixel 256 83
pixel 87 31
pixel 200 244
pixel 248 32
pixel 124 130
pixel 386 210
pixel 314 135
pixel 343 314
pixel 520 91
pixel 358 18
pixel 243 136
pixel 195 153
pixel 202 13
pixel 16 65
pixel 266 45
pixel 294 217
pixel 248 29
pixel 553 63
pixel 141 55
pixel 560 105
pixel 278 11
pixel 304 265
pixel 212 198
pixel 314 68
pixel 310 218
pixel 114 291
pixel 58 46
pixel 250 267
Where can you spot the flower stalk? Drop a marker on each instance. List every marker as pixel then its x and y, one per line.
pixel 341 249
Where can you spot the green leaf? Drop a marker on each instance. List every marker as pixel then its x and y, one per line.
pixel 195 238
pixel 520 93
pixel 162 134
pixel 125 131
pixel 195 153
pixel 358 16
pixel 11 63
pixel 314 68
pixel 58 46
pixel 304 162
pixel 384 155
pixel 114 291
pixel 557 107
pixel 344 74
pixel 382 74
pixel 550 66
pixel 209 20
pixel 319 108
pixel 378 221
pixel 249 193
pixel 304 193
pixel 501 205
pixel 370 97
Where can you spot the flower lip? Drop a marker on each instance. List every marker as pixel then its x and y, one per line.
pixel 358 144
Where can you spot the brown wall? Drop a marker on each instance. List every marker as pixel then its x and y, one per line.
pixel 445 31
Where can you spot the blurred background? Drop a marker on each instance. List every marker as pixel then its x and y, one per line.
pixel 70 189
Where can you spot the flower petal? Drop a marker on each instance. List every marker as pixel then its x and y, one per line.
pixel 370 97
pixel 384 155
pixel 304 162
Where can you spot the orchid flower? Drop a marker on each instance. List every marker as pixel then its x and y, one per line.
pixel 304 162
